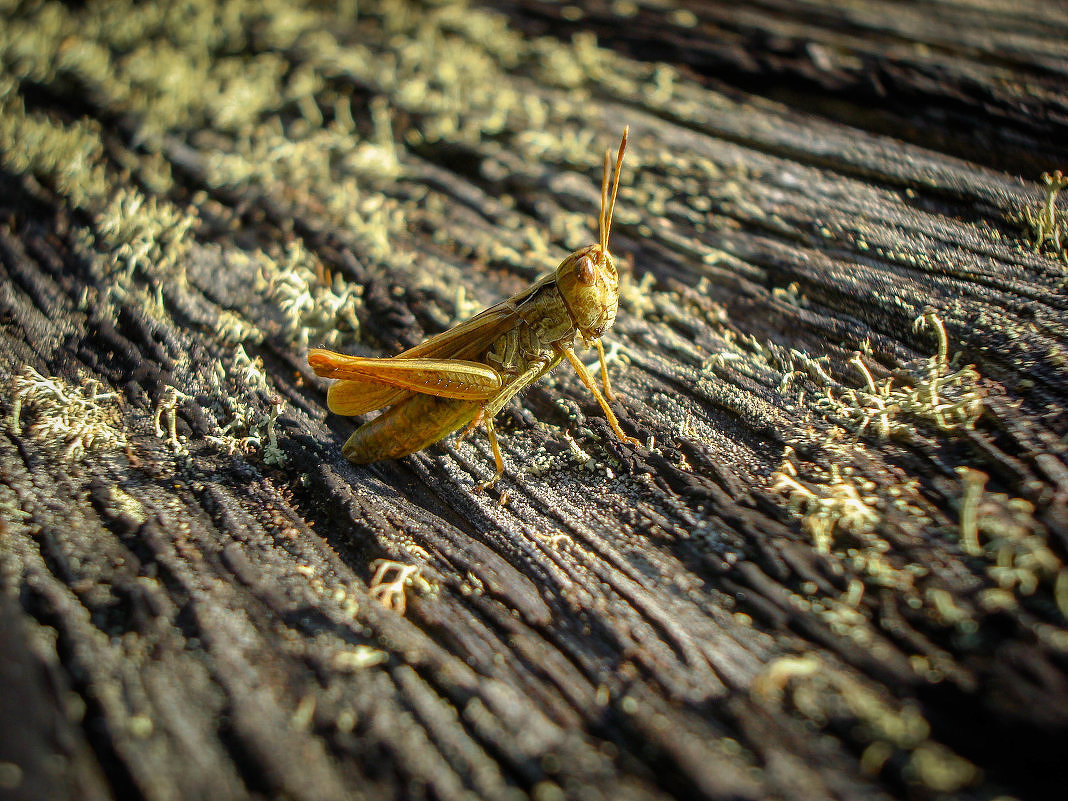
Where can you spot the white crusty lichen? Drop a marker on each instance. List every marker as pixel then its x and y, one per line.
pixel 272 454
pixel 314 308
pixel 166 414
pixel 72 420
pixel 143 235
pixel 239 384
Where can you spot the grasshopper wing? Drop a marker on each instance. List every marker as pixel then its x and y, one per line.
pixel 364 386
pixel 368 384
pixel 471 338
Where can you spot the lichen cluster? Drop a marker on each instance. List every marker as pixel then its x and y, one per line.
pixel 68 420
pixel 947 399
pixel 890 729
pixel 391 581
pixel 1049 225
pixel 845 513
pixel 313 311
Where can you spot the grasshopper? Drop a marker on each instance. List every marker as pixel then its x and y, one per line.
pixel 465 376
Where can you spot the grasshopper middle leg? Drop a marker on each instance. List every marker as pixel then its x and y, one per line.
pixel 486 414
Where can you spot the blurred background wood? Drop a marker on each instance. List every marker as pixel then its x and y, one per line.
pixel 835 570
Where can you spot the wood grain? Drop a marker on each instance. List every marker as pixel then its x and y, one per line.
pixel 834 569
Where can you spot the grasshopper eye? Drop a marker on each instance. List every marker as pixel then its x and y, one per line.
pixel 584 271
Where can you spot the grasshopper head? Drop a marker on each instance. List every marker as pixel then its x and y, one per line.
pixel 587 279
pixel 589 284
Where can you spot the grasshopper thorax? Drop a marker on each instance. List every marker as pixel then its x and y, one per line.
pixel 589 284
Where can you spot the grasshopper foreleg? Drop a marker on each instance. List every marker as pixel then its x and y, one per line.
pixel 604 370
pixel 591 385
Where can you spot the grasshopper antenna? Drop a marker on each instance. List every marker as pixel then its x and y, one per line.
pixel 602 222
pixel 615 189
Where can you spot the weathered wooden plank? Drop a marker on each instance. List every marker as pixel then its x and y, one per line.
pixel 984 81
pixel 809 581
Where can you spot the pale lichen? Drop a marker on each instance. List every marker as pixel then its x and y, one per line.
pixel 69 420
pixel 359 657
pixel 827 695
pixel 1016 547
pixel 827 509
pixel 391 580
pixel 239 386
pixel 1049 225
pixel 144 234
pixel 313 310
pixel 950 399
pixel 69 159
pixel 165 420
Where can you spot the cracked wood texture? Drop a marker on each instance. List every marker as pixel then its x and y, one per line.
pixel 834 569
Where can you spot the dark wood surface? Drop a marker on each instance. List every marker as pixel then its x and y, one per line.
pixel 834 569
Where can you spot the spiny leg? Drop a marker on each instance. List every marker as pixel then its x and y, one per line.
pixel 491 435
pixel 591 385
pixel 497 402
pixel 604 370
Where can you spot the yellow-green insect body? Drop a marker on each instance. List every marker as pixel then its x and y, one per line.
pixel 467 374
pixel 408 427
